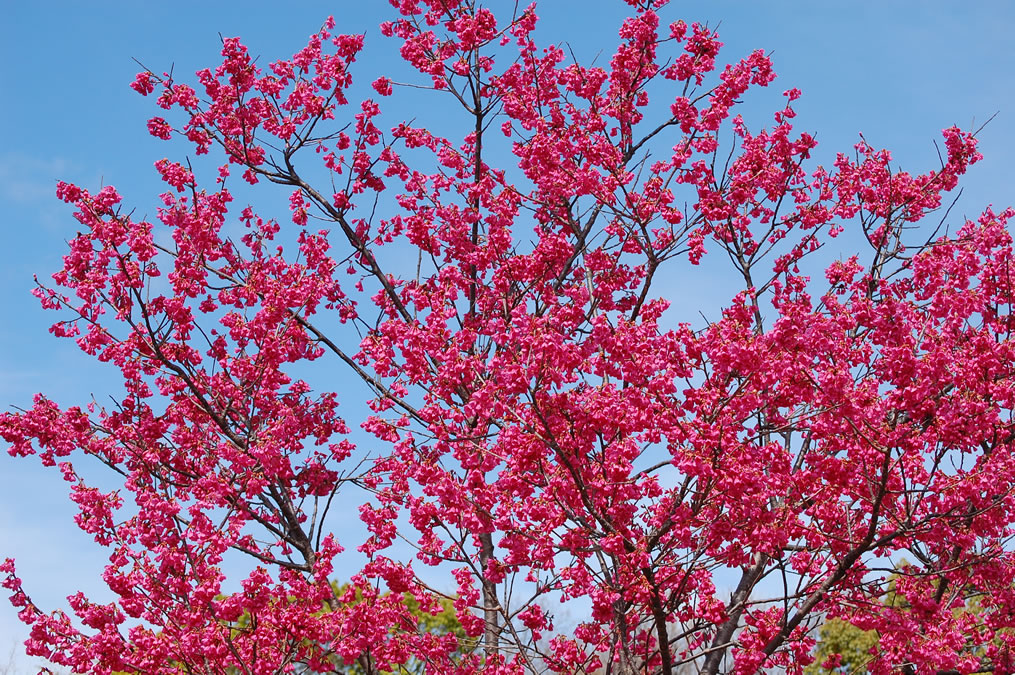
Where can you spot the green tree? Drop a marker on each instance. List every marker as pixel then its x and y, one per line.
pixel 856 648
pixel 853 646
pixel 444 623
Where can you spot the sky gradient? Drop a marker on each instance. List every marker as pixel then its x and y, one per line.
pixel 897 72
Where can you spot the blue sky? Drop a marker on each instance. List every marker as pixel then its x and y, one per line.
pixel 898 72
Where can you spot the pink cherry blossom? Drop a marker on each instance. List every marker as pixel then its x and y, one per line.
pixel 539 425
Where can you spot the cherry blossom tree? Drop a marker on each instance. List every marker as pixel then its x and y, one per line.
pixel 542 429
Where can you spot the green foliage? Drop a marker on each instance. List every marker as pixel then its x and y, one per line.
pixel 855 646
pixel 843 638
pixel 446 622
pixel 443 623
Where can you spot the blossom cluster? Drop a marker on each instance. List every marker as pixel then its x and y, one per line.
pixel 539 426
